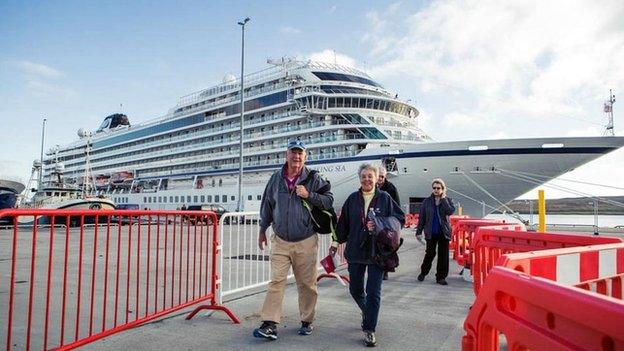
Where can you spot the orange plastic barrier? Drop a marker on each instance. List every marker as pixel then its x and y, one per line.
pixel 609 286
pixel 534 308
pixel 490 243
pixel 463 236
pixel 76 276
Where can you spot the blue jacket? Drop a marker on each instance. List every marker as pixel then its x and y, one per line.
pixel 425 218
pixel 284 210
pixel 351 224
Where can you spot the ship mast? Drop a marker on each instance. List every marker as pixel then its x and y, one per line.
pixel 608 109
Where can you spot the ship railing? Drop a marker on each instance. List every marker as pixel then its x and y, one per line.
pixel 250 79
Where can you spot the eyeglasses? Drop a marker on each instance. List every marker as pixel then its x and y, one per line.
pixel 436 188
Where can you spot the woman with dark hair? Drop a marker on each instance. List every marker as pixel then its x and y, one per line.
pixel 434 220
pixel 356 226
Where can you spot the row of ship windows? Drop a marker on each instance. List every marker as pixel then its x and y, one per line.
pixel 250 105
pixel 196 199
pixel 222 138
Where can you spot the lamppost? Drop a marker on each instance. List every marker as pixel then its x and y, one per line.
pixel 242 116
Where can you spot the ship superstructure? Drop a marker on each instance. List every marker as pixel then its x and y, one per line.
pixel 190 155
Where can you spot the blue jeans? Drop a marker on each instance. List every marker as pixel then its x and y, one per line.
pixel 370 301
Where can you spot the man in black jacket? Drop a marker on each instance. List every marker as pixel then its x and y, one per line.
pixel 385 185
pixel 435 222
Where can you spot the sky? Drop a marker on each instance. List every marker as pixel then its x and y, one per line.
pixel 475 69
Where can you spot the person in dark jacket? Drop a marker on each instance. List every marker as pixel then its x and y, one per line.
pixel 384 184
pixel 354 226
pixel 435 222
pixel 294 243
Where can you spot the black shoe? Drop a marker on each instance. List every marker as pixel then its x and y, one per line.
pixel 421 277
pixel 369 339
pixel 268 330
pixel 306 328
pixel 385 276
pixel 441 282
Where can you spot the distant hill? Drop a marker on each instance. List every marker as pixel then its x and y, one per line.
pixel 573 205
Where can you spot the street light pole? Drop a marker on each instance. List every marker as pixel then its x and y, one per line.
pixel 41 156
pixel 242 116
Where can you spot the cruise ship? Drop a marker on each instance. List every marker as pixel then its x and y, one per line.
pixel 190 155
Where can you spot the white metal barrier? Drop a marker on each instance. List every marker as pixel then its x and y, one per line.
pixel 242 265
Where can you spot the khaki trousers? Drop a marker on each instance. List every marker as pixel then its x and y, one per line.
pixel 302 256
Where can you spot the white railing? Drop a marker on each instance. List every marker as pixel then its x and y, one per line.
pixel 242 265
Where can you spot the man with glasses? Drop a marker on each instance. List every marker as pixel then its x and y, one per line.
pixel 384 184
pixel 434 220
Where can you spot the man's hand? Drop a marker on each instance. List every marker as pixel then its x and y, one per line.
pixel 302 192
pixel 262 240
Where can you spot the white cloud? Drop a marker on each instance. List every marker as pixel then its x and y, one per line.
pixel 49 90
pixel 331 56
pixel 38 69
pixel 333 9
pixel 289 30
pixel 531 58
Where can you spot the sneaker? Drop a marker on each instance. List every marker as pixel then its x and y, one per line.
pixel 306 328
pixel 421 277
pixel 369 339
pixel 441 282
pixel 268 330
pixel 385 276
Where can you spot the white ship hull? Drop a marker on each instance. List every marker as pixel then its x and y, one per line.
pixel 479 180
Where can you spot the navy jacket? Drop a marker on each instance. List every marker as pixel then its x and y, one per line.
pixel 352 228
pixel 425 218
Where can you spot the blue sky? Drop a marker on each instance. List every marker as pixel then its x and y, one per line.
pixel 485 69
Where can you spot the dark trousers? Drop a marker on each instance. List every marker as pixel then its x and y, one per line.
pixel 369 301
pixel 442 268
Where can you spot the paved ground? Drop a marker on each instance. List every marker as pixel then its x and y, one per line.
pixel 414 316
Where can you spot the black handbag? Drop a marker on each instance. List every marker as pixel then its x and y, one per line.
pixel 323 221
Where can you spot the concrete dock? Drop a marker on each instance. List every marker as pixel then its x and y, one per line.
pixel 414 316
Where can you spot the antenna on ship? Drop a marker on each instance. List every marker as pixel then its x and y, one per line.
pixel 608 109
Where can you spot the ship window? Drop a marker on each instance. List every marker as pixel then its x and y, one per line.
pixel 159 199
pixel 259 197
pixel 224 198
pixel 209 198
pixel 232 198
pixel 249 197
pixel 144 199
pixel 188 198
pixel 149 199
pixel 171 199
pixel 203 198
pixel 177 199
pixel 164 199
pixel 195 199
pixel 216 198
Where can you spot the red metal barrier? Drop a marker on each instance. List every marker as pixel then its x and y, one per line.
pixel 533 312
pixel 491 243
pixel 114 271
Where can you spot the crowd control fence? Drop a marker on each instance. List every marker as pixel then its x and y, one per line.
pixel 244 267
pixel 535 301
pixel 490 243
pixel 70 277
